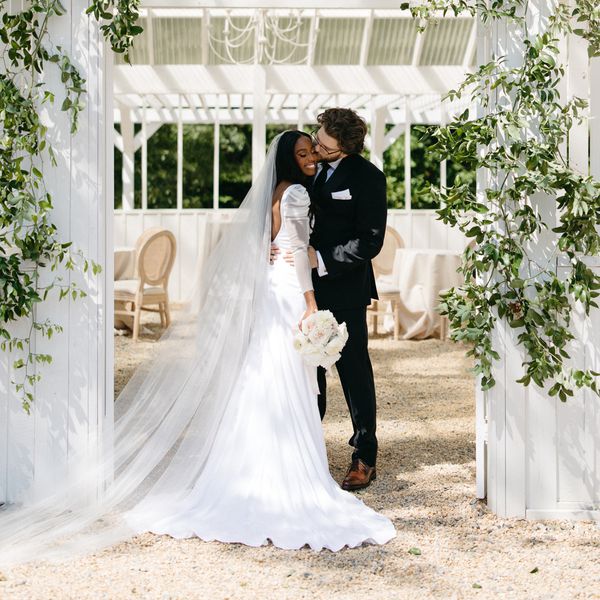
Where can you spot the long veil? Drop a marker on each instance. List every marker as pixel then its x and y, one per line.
pixel 168 413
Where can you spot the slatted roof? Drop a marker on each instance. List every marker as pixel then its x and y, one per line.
pixel 300 37
pixel 202 64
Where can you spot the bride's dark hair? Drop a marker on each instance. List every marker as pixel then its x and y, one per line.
pixel 286 167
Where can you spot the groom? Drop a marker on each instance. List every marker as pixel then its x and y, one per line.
pixel 350 210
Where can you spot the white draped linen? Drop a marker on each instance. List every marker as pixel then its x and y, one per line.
pixel 420 275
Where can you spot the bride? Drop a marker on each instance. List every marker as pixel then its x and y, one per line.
pixel 219 436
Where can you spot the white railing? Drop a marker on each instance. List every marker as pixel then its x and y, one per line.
pixel 197 232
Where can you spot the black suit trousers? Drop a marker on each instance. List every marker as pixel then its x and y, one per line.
pixel 356 376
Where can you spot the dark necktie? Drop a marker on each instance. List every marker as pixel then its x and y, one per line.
pixel 321 177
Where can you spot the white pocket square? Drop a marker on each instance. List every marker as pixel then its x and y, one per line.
pixel 342 195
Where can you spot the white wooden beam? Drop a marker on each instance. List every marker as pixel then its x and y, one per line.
pixel 144 159
pixel 151 128
pixel 192 106
pixel 204 36
pixel 287 116
pixel 312 38
pixel 117 140
pixel 443 163
pixel 259 123
pixel 417 49
pixel 288 79
pixel 150 36
pixel 471 44
pixel 578 86
pixel 407 158
pixel 179 157
pixel 294 4
pixel 393 134
pixel 377 136
pixel 301 112
pixel 216 158
pixel 127 170
pixel 595 118
pixel 366 39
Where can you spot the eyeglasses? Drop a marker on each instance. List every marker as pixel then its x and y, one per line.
pixel 317 142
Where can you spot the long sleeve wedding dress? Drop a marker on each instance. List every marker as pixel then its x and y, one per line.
pixel 266 476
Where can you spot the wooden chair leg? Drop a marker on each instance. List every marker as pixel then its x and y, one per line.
pixel 396 313
pixel 163 316
pixel 136 322
pixel 443 328
pixel 167 313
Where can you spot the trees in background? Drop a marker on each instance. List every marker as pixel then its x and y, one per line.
pixel 235 163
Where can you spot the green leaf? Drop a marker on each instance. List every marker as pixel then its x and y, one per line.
pixel 414 551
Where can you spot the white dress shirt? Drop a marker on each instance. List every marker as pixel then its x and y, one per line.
pixel 332 166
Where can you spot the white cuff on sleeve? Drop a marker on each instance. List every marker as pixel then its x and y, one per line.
pixel 321 269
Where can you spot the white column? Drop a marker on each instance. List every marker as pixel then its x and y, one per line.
pixel 127 171
pixel 179 157
pixel 216 157
pixel 443 163
pixel 578 86
pixel 407 155
pixel 595 118
pixel 301 111
pixel 73 400
pixel 407 171
pixel 259 121
pixel 377 135
pixel 144 158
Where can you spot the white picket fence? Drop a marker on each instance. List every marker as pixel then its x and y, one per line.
pixel 197 231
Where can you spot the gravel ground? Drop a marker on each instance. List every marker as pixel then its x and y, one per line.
pixel 448 544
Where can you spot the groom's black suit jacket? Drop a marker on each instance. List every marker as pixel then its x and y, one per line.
pixel 348 232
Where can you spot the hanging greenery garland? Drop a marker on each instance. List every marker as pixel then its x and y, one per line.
pixel 520 142
pixel 29 241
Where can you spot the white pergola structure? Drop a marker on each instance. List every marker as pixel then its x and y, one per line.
pixel 536 457
pixel 271 64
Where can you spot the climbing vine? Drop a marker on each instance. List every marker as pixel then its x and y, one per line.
pixel 29 241
pixel 519 141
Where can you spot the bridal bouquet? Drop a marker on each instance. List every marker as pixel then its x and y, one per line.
pixel 321 340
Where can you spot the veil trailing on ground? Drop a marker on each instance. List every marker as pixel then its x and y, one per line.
pixel 167 415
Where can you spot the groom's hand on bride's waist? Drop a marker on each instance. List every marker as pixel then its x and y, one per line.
pixel 275 251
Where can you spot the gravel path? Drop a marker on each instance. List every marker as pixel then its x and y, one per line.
pixel 448 544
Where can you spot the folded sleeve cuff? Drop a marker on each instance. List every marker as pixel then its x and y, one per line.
pixel 321 269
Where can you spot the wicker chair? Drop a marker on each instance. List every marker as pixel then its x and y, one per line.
pixel 383 265
pixel 155 254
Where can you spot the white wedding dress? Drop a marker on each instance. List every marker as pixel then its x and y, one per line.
pixel 266 476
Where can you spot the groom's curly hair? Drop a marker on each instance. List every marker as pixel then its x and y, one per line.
pixel 346 126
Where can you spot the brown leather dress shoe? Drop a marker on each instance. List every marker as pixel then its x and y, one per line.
pixel 359 476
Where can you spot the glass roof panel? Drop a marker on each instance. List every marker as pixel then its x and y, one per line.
pixel 445 42
pixel 177 40
pixel 392 42
pixel 139 54
pixel 339 41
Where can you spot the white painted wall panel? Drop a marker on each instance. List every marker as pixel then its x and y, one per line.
pixel 543 454
pixel 197 232
pixel 70 412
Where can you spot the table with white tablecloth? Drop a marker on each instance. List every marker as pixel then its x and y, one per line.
pixel 124 269
pixel 124 262
pixel 420 275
